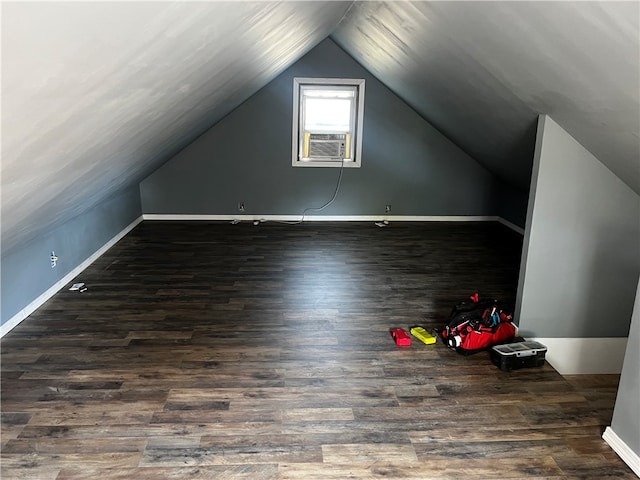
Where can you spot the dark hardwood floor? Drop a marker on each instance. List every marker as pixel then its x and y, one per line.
pixel 218 351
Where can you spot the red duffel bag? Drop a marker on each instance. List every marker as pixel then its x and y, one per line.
pixel 473 328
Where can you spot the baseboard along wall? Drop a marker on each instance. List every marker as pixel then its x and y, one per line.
pixel 623 450
pixel 324 218
pixel 576 356
pixel 512 226
pixel 60 284
pixel 338 218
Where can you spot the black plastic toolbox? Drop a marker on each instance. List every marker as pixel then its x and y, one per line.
pixel 512 356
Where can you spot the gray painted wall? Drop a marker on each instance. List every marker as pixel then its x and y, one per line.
pixel 580 257
pixel 26 270
pixel 626 414
pixel 247 157
pixel 511 203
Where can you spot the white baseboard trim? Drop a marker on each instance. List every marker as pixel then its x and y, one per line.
pixel 623 450
pixel 325 218
pixel 56 287
pixel 573 356
pixel 336 218
pixel 512 226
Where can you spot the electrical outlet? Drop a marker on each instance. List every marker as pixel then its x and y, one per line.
pixel 241 206
pixel 387 209
pixel 53 259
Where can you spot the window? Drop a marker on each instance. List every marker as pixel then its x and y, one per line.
pixel 327 122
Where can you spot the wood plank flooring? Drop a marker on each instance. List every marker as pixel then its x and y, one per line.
pixel 217 351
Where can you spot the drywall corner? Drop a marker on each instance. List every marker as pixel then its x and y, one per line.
pixel 624 435
pixel 529 215
pixel 580 258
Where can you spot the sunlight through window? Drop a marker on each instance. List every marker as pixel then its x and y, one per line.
pixel 327 124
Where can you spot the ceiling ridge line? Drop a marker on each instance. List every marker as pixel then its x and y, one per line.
pixel 353 3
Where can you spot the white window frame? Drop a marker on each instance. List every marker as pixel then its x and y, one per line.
pixel 352 157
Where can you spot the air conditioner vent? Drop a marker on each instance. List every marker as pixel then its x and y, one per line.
pixel 327 145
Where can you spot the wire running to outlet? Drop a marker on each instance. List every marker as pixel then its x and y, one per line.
pixel 317 209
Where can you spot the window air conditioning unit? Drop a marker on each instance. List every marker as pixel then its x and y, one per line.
pixel 327 146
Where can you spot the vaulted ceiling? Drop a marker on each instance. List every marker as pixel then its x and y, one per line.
pixel 96 95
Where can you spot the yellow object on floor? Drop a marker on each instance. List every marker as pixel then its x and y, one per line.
pixel 422 335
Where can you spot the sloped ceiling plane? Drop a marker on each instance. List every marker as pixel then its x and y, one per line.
pixel 97 95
